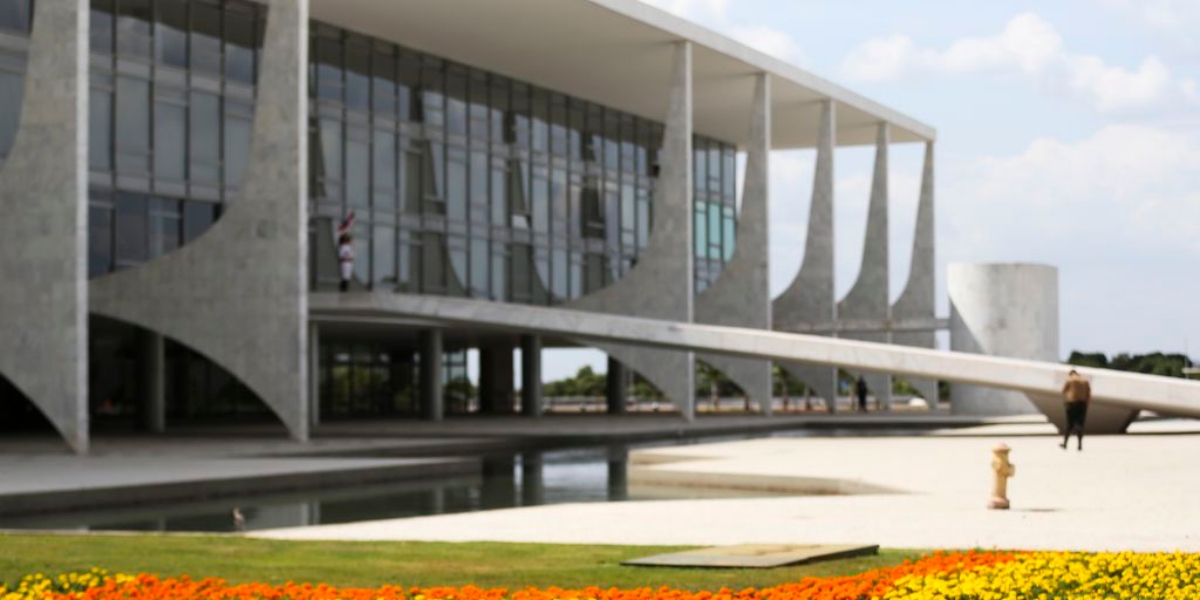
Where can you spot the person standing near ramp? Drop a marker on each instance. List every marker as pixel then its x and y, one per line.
pixel 1077 392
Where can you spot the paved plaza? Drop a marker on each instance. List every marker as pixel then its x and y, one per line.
pixel 1127 492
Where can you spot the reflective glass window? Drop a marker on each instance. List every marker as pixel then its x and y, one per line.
pixel 170 141
pixel 130 229
pixel 499 200
pixel 499 275
pixel 240 44
pixel 329 68
pixel 643 218
pixel 331 154
pixel 383 85
pixel 432 94
pixel 433 262
pixel 133 28
pixel 197 218
pixel 205 38
pixel 12 87
pixel 100 232
pixel 729 173
pixel 383 256
pixel 479 186
pixel 15 14
pixel 170 38
pixel 383 173
pixel 541 120
pixel 358 167
pixel 358 75
pixel 408 107
pixel 456 186
pixel 714 167
pixel 101 27
pixel 700 168
pixel 165 226
pixel 456 102
pixel 99 128
pixel 479 267
pixel 558 267
pixel 714 230
pixel 205 143
pixel 133 125
pixel 730 240
pixel 700 229
pixel 540 196
pixel 362 252
pixel 414 160
pixel 238 134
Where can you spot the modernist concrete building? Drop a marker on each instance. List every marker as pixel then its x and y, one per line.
pixel 174 171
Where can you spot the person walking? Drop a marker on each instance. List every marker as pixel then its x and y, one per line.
pixel 346 260
pixel 1077 392
pixel 860 389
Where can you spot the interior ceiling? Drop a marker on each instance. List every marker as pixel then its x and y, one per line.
pixel 597 49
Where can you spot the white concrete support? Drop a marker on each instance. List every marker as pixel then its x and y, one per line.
pixel 154 381
pixel 1012 310
pixel 810 299
pixel 314 374
pixel 43 225
pixel 239 293
pixel 918 301
pixel 868 297
pixel 432 379
pixel 531 375
pixel 1001 310
pixel 660 285
pixel 741 297
pixel 1118 389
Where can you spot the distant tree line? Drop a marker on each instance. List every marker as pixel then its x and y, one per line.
pixel 1155 363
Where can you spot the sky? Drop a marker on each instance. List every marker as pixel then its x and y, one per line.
pixel 1068 135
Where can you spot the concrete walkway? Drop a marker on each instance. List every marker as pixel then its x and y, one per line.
pixel 1132 492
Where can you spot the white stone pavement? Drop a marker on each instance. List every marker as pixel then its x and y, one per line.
pixel 1132 492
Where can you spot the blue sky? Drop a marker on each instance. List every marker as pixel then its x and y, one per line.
pixel 1068 134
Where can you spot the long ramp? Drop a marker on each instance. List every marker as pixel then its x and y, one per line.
pixel 1039 380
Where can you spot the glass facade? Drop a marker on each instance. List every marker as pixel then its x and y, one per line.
pixel 468 183
pixel 171 109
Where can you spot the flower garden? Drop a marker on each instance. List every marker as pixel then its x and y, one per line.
pixel 943 576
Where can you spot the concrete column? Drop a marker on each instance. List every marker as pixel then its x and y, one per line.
pixel 43 230
pixel 810 299
pixel 617 387
pixel 496 379
pixel 741 297
pixel 868 298
pixel 154 380
pixel 314 374
pixel 531 375
pixel 239 293
pixel 432 349
pixel 660 286
pixel 918 300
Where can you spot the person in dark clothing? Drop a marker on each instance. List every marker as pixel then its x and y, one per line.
pixel 1077 392
pixel 860 389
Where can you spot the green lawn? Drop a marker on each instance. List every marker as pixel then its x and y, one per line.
pixel 367 564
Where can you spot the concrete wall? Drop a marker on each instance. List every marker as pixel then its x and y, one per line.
pixel 918 300
pixel 239 293
pixel 810 298
pixel 741 296
pixel 868 299
pixel 1001 310
pixel 660 285
pixel 43 225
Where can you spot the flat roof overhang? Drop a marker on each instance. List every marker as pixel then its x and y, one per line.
pixel 618 53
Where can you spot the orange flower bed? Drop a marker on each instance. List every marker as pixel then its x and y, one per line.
pixel 98 585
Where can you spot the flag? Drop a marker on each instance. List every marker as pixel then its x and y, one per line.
pixel 346 223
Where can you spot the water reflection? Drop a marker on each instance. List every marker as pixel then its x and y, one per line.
pixel 506 480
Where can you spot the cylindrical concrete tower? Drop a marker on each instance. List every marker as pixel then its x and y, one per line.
pixel 1008 309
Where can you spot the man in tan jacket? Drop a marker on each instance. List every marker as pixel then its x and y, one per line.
pixel 1077 392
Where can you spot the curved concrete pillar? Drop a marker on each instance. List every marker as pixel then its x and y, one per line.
pixel 239 293
pixel 741 296
pixel 868 298
pixel 917 301
pixel 43 227
pixel 1002 310
pixel 660 285
pixel 810 298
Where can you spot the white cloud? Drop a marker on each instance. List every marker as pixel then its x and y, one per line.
pixel 1177 19
pixel 1030 46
